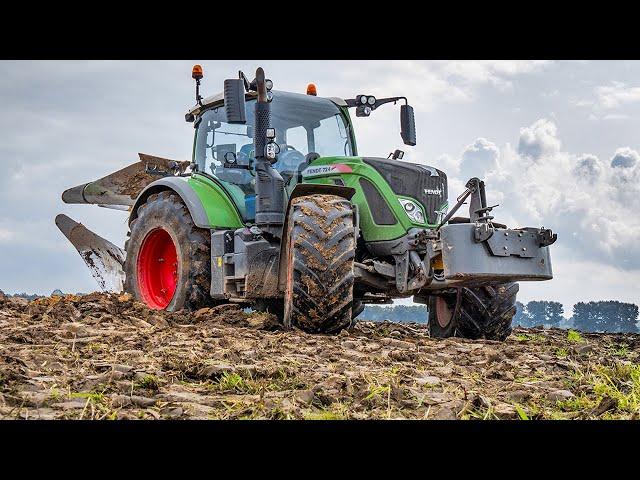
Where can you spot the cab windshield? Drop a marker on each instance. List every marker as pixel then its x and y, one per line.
pixel 304 125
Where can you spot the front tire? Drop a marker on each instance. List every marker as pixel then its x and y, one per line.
pixel 482 312
pixel 168 262
pixel 320 256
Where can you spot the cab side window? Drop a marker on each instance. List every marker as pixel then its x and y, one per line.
pixel 297 138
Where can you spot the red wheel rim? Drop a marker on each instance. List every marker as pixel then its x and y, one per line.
pixel 157 269
pixel 443 312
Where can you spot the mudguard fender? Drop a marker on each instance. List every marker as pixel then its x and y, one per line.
pixel 186 193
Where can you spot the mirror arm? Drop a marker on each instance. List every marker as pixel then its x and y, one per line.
pixel 351 102
pixel 388 100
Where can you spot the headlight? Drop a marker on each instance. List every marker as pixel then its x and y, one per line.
pixel 413 210
pixel 270 151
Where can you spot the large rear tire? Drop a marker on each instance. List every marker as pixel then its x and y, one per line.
pixel 320 256
pixel 168 263
pixel 482 312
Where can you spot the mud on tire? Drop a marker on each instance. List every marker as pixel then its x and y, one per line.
pixel 166 210
pixel 482 312
pixel 320 256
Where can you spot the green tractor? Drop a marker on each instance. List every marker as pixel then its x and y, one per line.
pixel 278 211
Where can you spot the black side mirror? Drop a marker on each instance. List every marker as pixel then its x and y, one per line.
pixel 407 125
pixel 234 104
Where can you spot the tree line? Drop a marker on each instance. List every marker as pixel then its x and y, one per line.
pixel 396 313
pixel 601 316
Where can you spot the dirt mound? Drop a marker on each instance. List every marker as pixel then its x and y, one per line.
pixel 105 356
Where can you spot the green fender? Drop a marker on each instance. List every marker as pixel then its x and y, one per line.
pixel 208 200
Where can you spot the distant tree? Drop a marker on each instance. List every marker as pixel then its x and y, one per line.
pixel 536 313
pixel 553 313
pixel 26 296
pixel 520 319
pixel 539 312
pixel 606 316
pixel 396 313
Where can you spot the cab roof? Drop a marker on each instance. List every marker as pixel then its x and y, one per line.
pixel 218 100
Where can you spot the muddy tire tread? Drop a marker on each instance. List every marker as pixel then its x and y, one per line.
pixel 322 240
pixel 484 312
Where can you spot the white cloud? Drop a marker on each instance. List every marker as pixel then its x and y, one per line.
pixel 5 235
pixel 481 155
pixel 450 165
pixel 582 103
pixel 616 94
pixel 550 94
pixel 616 116
pixel 588 167
pixel 494 72
pixel 624 158
pixel 539 140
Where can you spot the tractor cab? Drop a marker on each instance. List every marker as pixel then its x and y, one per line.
pixel 306 127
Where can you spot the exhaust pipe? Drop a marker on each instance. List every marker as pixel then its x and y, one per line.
pixel 270 207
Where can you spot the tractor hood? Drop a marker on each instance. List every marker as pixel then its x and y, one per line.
pixel 426 184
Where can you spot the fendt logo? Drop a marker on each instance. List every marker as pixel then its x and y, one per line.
pixel 326 170
pixel 432 191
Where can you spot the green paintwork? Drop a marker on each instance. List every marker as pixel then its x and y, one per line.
pixel 217 202
pixel 370 230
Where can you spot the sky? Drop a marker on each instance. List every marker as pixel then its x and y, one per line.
pixel 555 141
